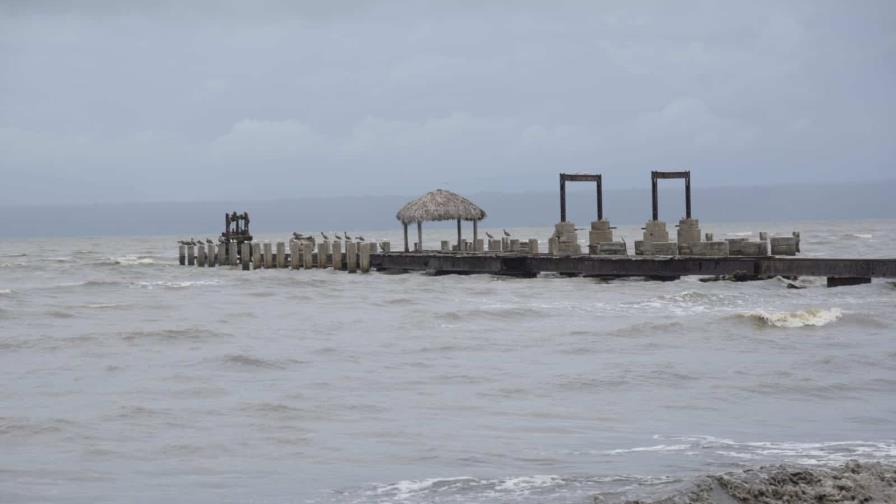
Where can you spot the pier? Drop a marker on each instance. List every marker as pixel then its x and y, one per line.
pixel 655 256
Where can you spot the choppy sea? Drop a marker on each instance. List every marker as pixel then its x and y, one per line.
pixel 128 378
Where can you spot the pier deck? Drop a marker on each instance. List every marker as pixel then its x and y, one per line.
pixel 622 266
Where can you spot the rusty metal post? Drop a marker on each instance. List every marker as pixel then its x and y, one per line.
pixel 687 196
pixel 655 199
pixel 562 198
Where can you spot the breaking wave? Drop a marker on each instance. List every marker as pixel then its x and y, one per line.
pixel 813 317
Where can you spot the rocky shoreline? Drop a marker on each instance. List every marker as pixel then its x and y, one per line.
pixel 852 482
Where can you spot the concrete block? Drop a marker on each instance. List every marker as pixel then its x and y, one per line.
pixel 514 245
pixel 656 248
pixel 553 245
pixel 763 236
pixel 744 247
pixel 655 231
pixel 713 248
pixel 463 245
pixel 445 246
pixel 600 232
pixel 533 246
pixel 608 248
pixel 281 255
pixel 688 231
pixel 784 245
pixel 385 247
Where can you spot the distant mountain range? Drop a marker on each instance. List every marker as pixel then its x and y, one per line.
pixel 631 206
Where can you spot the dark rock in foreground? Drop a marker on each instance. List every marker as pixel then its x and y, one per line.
pixel 853 482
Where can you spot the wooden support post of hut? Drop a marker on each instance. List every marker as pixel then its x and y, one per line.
pixel 439 205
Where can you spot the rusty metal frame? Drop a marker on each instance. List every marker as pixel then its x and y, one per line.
pixel 581 177
pixel 657 175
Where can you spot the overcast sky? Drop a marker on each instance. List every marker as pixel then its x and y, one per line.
pixel 122 101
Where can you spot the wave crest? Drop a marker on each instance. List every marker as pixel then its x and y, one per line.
pixel 813 317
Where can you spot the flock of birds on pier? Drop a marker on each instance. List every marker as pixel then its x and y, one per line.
pixel 299 236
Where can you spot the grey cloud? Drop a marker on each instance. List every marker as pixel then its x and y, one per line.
pixel 125 101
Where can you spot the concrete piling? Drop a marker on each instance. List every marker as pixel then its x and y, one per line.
pixel 567 239
pixel 364 257
pixel 191 255
pixel 323 252
pixel 294 258
pixel 337 255
pixel 385 247
pixel 494 245
pixel 201 257
pixel 533 246
pixel 268 255
pixel 307 249
pixel 514 245
pixel 212 255
pixel 709 237
pixel 281 255
pixel 246 256
pixel 182 254
pixel 763 236
pixel 222 254
pixel 255 255
pixel 445 246
pixel 231 254
pixel 351 257
pixel 479 245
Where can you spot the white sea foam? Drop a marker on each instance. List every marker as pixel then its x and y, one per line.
pixel 175 285
pixel 862 235
pixel 804 318
pixel 5 292
pixel 131 260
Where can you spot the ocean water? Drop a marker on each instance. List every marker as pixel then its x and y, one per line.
pixel 126 377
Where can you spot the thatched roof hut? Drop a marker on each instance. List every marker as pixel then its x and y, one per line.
pixel 439 205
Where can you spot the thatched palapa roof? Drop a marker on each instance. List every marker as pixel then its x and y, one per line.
pixel 440 205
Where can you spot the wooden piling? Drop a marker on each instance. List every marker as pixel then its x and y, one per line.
pixel 246 256
pixel 281 255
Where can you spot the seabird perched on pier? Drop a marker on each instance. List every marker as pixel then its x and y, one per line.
pixel 490 237
pixel 325 236
pixel 347 237
pixel 359 238
pixel 337 237
pixel 192 241
pixel 297 236
pixel 506 233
